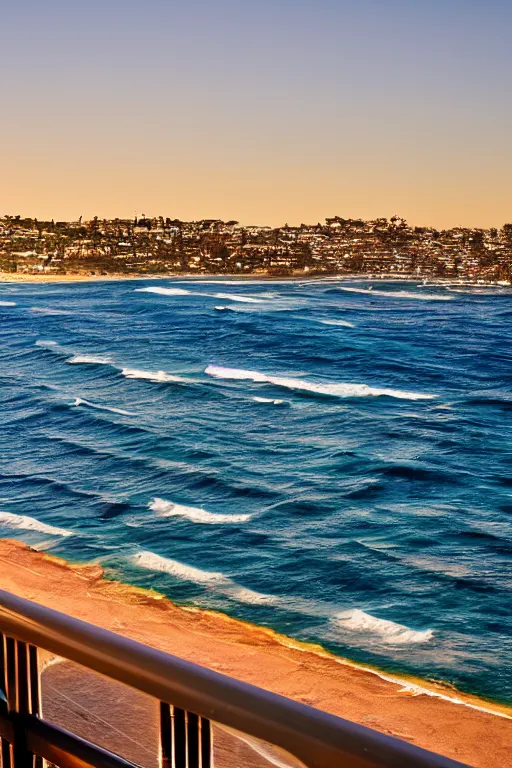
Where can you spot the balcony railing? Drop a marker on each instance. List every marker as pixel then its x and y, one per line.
pixel 190 698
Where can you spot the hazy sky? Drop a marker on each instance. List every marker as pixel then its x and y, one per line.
pixel 265 111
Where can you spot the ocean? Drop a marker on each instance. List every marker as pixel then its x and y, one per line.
pixel 326 458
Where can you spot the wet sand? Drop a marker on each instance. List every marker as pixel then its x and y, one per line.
pixel 471 731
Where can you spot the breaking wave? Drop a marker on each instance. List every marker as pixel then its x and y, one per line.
pixel 237 297
pixel 153 562
pixel 332 390
pixel 49 311
pixel 343 323
pixel 183 292
pixel 7 303
pixel 398 294
pixel 25 523
pixel 79 401
pixel 392 633
pixel 353 620
pixel 46 344
pixel 89 360
pixel 268 400
pixel 223 584
pixel 157 377
pixel 165 508
pixel 164 291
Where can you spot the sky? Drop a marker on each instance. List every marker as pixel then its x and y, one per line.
pixel 268 112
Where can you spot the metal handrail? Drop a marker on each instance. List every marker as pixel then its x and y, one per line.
pixel 318 739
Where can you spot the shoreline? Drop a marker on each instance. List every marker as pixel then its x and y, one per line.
pixel 22 278
pixel 431 715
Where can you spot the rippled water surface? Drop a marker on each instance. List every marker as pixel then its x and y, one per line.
pixel 328 460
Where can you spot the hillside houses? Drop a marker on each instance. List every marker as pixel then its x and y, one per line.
pixel 161 245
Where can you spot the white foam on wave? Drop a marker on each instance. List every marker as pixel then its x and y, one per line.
pixel 7 303
pixel 390 632
pixel 225 585
pixel 333 390
pixel 25 523
pixel 48 311
pixel 157 377
pixel 268 400
pixel 46 344
pixel 79 401
pixel 165 508
pixel 250 596
pixel 354 620
pixel 195 281
pixel 164 291
pixel 398 294
pixel 237 297
pixel 183 292
pixel 343 323
pixel 89 360
pixel 154 562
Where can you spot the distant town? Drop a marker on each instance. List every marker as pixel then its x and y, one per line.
pixel 158 245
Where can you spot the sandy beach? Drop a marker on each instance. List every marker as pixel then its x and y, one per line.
pixel 21 277
pixel 434 717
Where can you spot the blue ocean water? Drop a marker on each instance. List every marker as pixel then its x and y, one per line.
pixel 328 460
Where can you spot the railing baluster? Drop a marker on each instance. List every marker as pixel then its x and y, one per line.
pixel 166 750
pixel 22 757
pixel 192 740
pixel 179 737
pixel 11 689
pixel 6 748
pixel 22 696
pixel 205 742
pixel 185 739
pixel 35 693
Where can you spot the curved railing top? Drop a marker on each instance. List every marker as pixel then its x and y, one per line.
pixel 319 739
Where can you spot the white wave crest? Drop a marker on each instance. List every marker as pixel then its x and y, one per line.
pixel 48 311
pixel 183 292
pixel 245 595
pixel 390 632
pixel 195 281
pixel 237 297
pixel 333 390
pixel 79 401
pixel 157 377
pixel 223 584
pixel 46 344
pixel 350 621
pixel 343 323
pixel 163 291
pixel 268 400
pixel 89 360
pixel 7 303
pixel 169 509
pixel 10 520
pixel 153 562
pixel 399 294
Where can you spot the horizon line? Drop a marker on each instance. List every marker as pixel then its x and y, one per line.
pixel 261 226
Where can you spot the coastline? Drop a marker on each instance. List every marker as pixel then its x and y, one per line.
pixel 433 716
pixel 16 277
